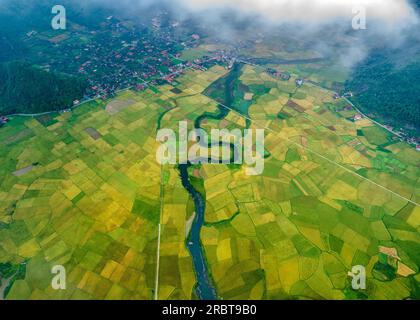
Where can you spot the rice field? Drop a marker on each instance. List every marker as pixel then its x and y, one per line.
pixel 85 191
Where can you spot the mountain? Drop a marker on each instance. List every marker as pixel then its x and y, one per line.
pixel 387 91
pixel 386 84
pixel 27 89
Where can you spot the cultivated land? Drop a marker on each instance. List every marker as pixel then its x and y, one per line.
pixel 297 230
pixel 334 193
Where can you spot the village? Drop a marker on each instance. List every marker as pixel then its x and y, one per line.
pixel 117 56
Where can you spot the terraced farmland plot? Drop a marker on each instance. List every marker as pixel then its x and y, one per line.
pixel 78 206
pixel 322 205
pixel 334 193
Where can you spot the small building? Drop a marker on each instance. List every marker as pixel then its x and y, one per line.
pixel 169 78
pixel 358 117
pixel 4 120
pixel 299 82
pixel 285 76
pixel 271 71
pixel 156 23
pixel 31 33
pixel 418 147
pixel 140 87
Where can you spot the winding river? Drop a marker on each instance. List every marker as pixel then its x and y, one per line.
pixel 205 287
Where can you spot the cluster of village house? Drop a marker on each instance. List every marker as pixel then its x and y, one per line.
pixel 111 63
pixel 279 74
pixel 130 65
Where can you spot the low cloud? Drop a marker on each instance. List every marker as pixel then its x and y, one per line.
pixel 325 25
pixel 388 12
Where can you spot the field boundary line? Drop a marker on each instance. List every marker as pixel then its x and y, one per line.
pixel 156 293
pixel 322 156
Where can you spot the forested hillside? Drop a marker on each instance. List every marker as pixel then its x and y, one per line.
pixel 27 89
pixel 388 91
pixel 386 85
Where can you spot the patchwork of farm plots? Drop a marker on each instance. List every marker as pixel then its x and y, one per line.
pixel 297 230
pixel 84 190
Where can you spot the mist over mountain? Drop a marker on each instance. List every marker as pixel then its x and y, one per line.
pixel 326 25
